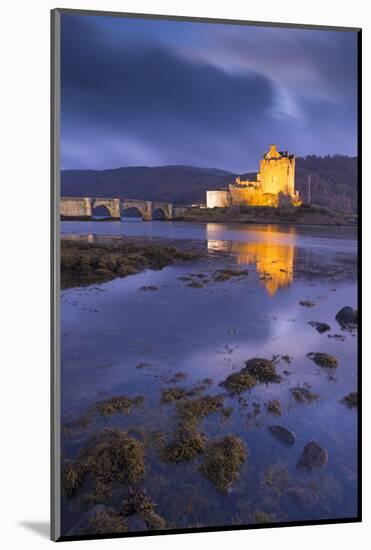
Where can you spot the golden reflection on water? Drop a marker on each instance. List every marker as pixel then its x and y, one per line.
pixel 270 250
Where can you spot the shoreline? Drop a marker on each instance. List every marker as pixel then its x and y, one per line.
pixel 85 262
pixel 285 219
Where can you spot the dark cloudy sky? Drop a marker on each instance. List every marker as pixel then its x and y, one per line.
pixel 155 92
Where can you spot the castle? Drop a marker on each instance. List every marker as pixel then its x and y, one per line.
pixel 274 185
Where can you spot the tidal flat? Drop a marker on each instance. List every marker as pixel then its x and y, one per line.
pixel 191 396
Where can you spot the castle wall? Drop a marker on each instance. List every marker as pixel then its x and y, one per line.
pixel 219 199
pixel 278 175
pixel 250 196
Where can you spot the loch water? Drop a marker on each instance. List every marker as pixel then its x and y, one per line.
pixel 107 330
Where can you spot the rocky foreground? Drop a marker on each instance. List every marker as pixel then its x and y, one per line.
pixel 84 263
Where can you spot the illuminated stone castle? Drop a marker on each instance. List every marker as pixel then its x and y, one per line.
pixel 274 185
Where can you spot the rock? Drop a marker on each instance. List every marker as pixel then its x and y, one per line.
pixel 350 400
pixel 324 360
pixel 307 303
pixel 347 317
pixel 304 497
pixel 151 287
pixel 283 435
pixel 274 407
pixel 320 327
pixel 314 456
pixel 276 477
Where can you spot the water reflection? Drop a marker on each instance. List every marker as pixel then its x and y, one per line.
pixel 273 260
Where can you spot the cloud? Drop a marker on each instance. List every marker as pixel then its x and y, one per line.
pixel 199 94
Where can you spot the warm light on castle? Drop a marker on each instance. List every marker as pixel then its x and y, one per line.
pixel 274 185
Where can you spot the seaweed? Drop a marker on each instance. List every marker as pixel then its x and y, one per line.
pixel 111 457
pixel 70 478
pixel 263 370
pixel 303 395
pixel 238 382
pixel 324 360
pixel 274 407
pixel 117 404
pixel 173 394
pixel 223 460
pixel 139 504
pixel 261 517
pixel 104 521
pixel 186 444
pixel 227 273
pixel 194 410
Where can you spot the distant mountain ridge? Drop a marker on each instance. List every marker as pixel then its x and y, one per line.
pixel 333 182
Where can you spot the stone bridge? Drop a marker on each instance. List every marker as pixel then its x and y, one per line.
pixel 84 207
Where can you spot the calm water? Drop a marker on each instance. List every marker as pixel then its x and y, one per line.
pixel 108 329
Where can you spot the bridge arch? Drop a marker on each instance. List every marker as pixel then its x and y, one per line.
pixel 110 206
pixel 159 213
pixel 101 211
pixel 132 212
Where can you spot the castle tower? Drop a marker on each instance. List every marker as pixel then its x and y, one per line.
pixel 277 172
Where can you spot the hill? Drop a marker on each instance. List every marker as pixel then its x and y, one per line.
pixel 333 182
pixel 175 184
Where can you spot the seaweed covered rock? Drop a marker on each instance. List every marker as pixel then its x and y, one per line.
pixel 274 407
pixel 350 400
pixel 347 317
pixel 223 460
pixel 304 497
pixel 111 457
pixel 139 504
pixel 238 382
pixel 227 273
pixel 303 395
pixel 256 370
pixel 117 404
pixel 276 477
pixel 70 478
pixel 261 517
pixel 324 360
pixel 263 370
pixel 194 410
pixel 84 263
pixel 283 435
pixel 173 394
pixel 313 457
pixel 100 520
pixel 320 327
pixel 186 444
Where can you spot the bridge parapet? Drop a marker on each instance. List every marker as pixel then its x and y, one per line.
pixel 83 207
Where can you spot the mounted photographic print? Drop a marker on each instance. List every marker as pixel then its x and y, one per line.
pixel 205 231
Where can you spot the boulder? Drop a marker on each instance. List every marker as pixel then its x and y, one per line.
pixel 314 456
pixel 347 317
pixel 283 435
pixel 320 327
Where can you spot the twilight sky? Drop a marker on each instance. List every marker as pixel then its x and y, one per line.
pixel 154 92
